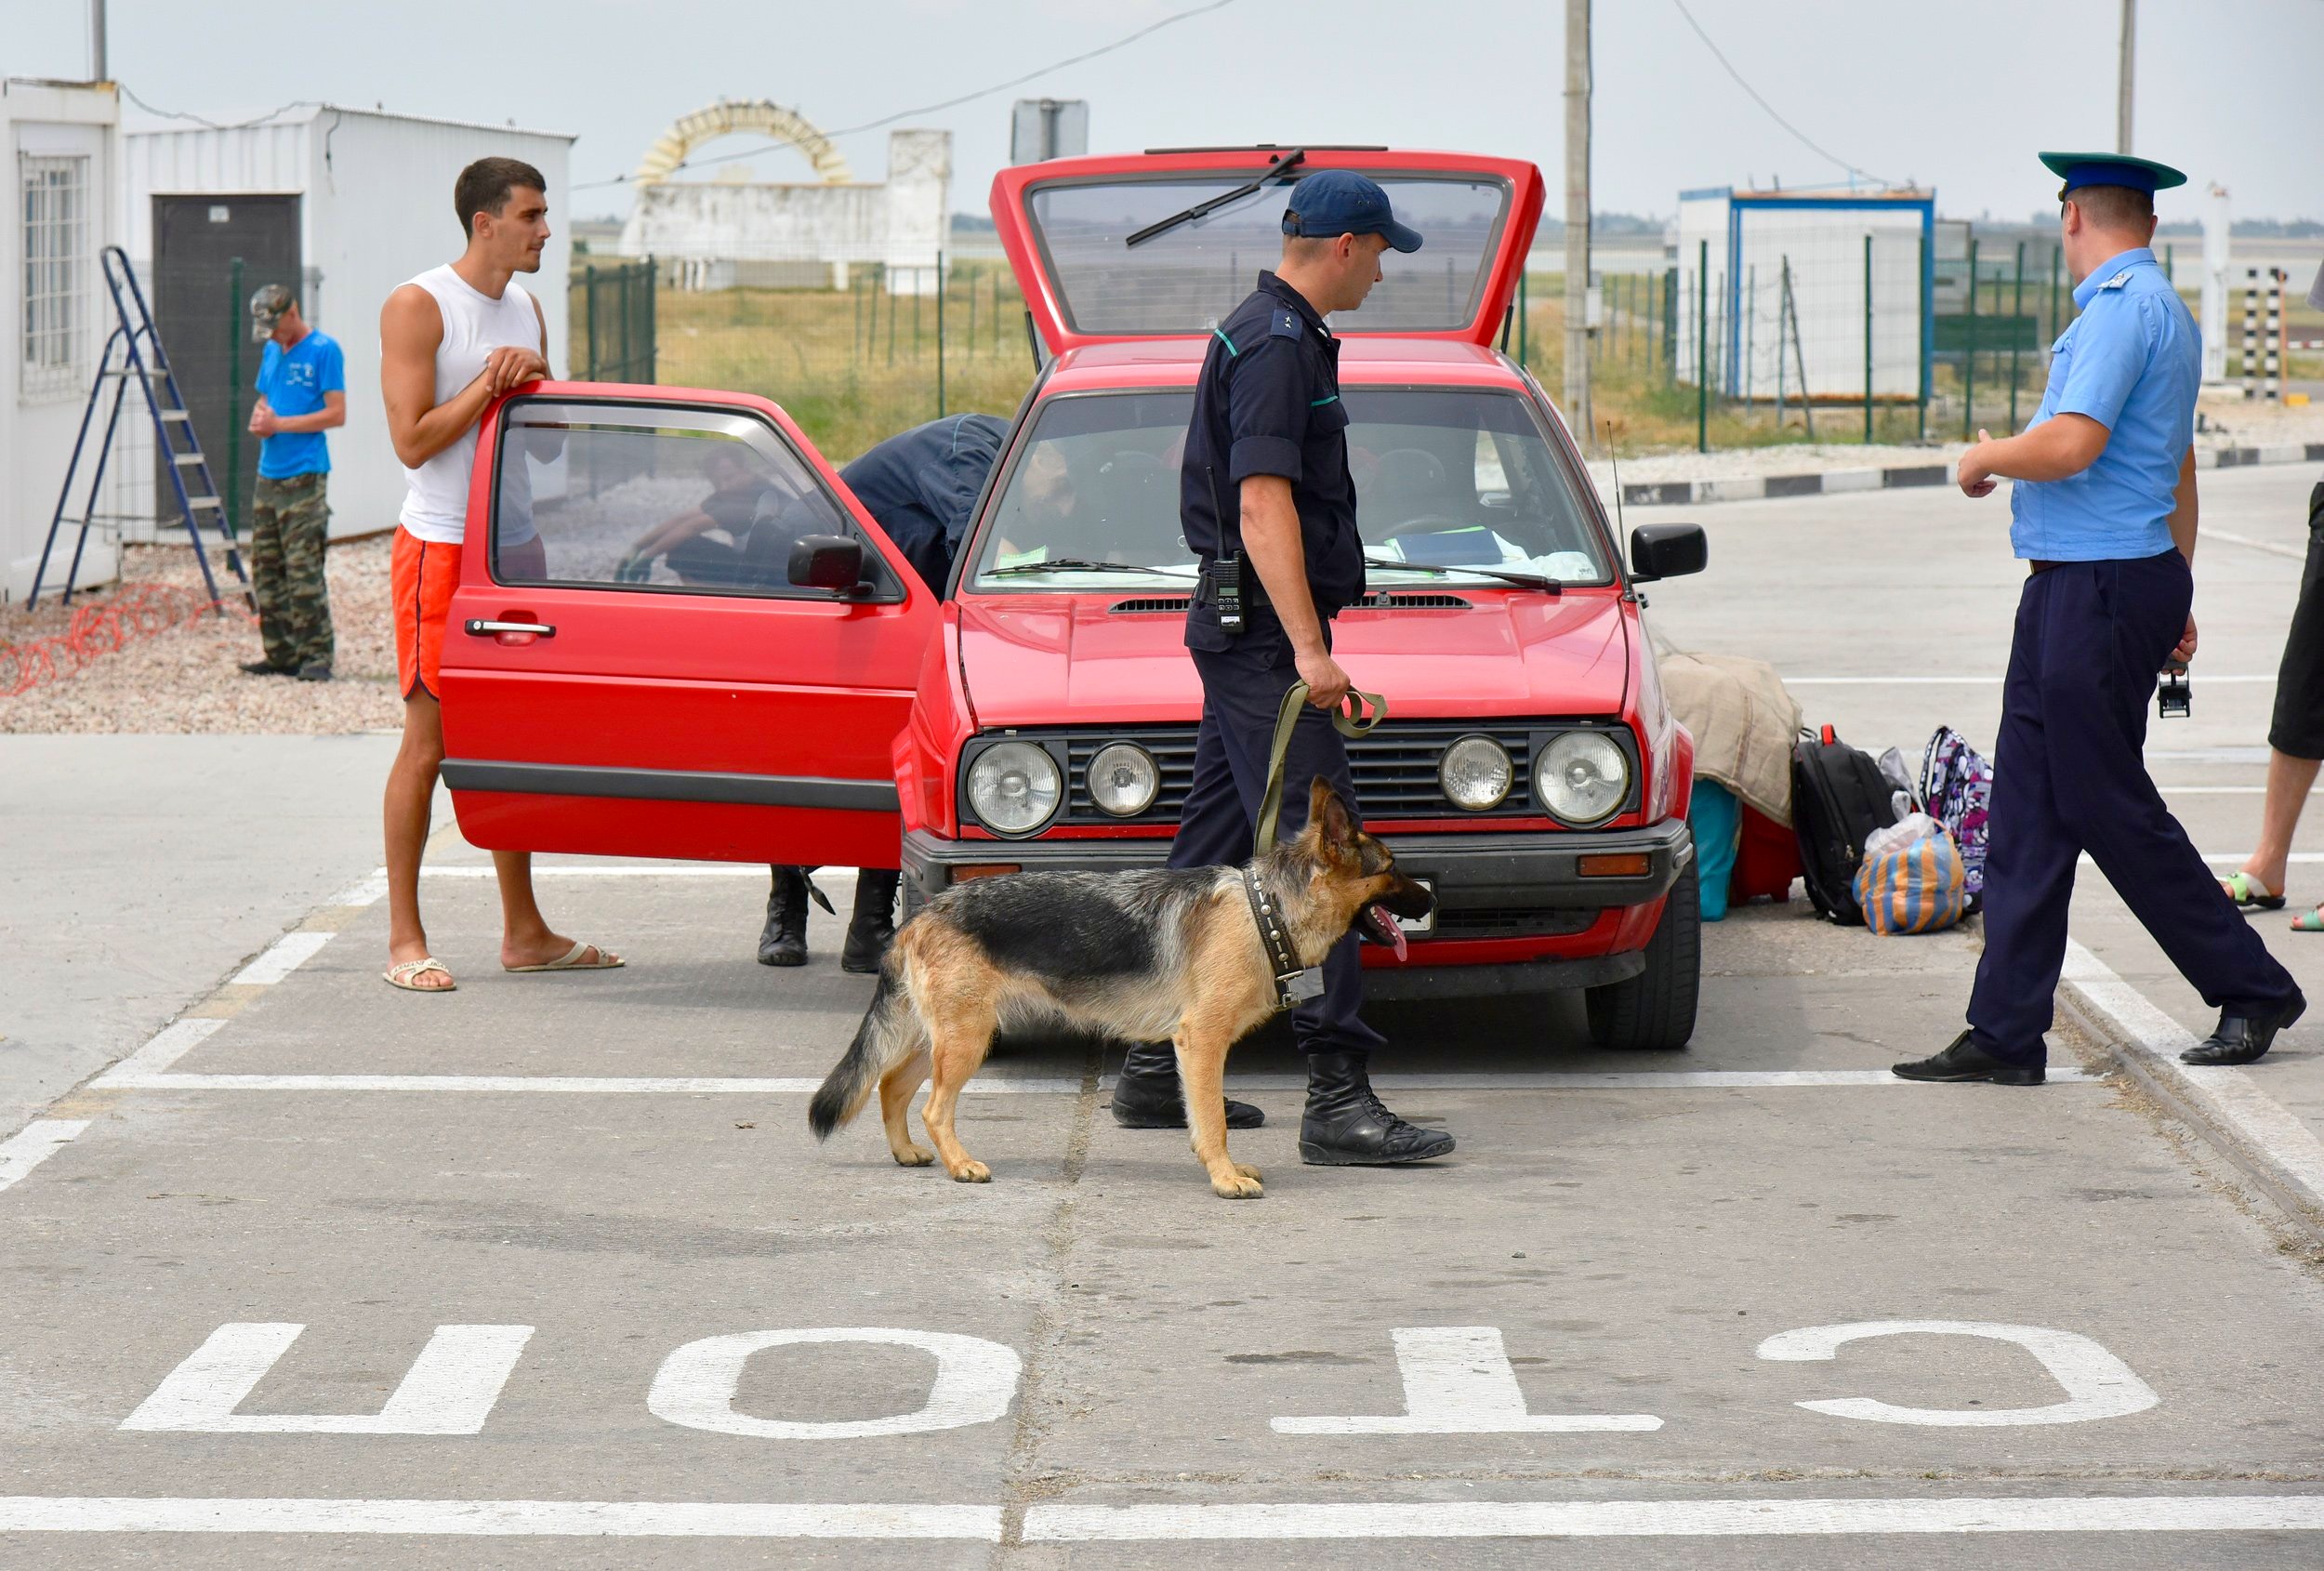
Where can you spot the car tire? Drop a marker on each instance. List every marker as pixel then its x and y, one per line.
pixel 1653 1011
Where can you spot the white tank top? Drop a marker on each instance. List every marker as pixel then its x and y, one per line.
pixel 474 325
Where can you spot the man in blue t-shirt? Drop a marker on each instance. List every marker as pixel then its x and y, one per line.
pixel 302 393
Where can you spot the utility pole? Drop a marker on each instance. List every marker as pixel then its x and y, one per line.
pixel 2129 72
pixel 96 68
pixel 1577 389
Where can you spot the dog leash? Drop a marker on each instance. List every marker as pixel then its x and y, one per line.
pixel 1359 713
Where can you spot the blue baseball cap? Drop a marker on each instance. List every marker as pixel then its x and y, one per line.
pixel 1332 203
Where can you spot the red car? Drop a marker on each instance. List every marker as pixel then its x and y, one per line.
pixel 784 689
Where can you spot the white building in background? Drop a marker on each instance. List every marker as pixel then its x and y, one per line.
pixel 66 149
pixel 341 203
pixel 733 231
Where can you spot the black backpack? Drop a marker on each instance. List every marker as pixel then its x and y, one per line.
pixel 1839 798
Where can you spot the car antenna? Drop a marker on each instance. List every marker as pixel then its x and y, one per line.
pixel 1615 460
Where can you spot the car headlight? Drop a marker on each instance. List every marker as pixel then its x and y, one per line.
pixel 1123 779
pixel 1475 773
pixel 1014 787
pixel 1582 776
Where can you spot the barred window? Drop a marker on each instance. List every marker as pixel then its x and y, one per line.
pixel 56 274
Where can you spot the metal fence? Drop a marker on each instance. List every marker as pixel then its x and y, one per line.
pixel 610 317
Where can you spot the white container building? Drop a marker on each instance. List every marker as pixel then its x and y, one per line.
pixel 341 203
pixel 66 149
pixel 1736 252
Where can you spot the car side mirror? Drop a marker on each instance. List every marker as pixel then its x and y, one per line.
pixel 826 562
pixel 1666 550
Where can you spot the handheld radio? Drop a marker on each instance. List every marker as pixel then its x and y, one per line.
pixel 1227 578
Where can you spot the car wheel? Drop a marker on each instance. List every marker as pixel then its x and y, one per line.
pixel 1655 1009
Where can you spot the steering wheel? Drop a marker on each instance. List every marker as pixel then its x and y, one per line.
pixel 1427 523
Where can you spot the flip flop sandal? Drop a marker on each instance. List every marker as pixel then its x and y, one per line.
pixel 2309 921
pixel 407 973
pixel 572 961
pixel 2250 894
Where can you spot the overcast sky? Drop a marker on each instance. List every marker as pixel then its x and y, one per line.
pixel 1959 95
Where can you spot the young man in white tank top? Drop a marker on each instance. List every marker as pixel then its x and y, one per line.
pixel 450 341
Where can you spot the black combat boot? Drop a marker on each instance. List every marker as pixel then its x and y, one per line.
pixel 1146 1093
pixel 1346 1127
pixel 872 926
pixel 783 942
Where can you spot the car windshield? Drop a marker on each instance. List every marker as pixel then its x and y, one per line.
pixel 1186 278
pixel 1445 479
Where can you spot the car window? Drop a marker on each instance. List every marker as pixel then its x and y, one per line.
pixel 1186 278
pixel 658 499
pixel 1445 477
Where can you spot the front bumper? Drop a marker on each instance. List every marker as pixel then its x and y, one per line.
pixel 1488 886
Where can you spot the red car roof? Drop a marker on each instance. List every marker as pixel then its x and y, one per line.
pixel 1174 362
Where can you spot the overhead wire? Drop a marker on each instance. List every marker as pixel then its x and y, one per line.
pixel 1800 135
pixel 1121 43
pixel 127 92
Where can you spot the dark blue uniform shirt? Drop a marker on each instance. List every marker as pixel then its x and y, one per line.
pixel 1268 403
pixel 921 485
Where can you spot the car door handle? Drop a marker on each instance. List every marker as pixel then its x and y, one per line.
pixel 484 629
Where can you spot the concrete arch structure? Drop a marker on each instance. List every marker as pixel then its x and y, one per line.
pixel 732 117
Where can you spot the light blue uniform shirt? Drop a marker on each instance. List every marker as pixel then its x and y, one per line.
pixel 2132 361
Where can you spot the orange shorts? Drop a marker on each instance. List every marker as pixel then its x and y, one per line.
pixel 424 574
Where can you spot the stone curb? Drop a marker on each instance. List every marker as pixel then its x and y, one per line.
pixel 1686 493
pixel 2241 1122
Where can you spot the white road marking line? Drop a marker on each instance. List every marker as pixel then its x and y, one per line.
pixel 366 890
pixel 2297 554
pixel 1068 1523
pixel 170 1044
pixel 125 1078
pixel 1974 681
pixel 33 1144
pixel 1642 1519
pixel 450 1387
pixel 614 1519
pixel 283 956
pixel 2231 1094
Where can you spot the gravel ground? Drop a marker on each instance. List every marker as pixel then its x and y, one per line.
pixel 184 679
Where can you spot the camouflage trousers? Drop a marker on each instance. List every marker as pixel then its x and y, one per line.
pixel 289 519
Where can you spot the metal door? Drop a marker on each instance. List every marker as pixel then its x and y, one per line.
pixel 204 318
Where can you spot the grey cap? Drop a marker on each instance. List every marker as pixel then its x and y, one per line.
pixel 268 303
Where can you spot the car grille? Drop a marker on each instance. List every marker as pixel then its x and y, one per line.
pixel 1394 768
pixel 1516 921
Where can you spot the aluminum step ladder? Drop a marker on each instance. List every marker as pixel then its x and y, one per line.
pixel 140 360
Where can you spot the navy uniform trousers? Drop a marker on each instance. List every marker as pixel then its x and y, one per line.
pixel 2069 775
pixel 1242 689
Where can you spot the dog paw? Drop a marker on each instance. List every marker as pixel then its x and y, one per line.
pixel 914 1156
pixel 971 1172
pixel 1245 1186
pixel 1246 1170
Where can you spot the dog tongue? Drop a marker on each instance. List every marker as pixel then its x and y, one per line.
pixel 1394 929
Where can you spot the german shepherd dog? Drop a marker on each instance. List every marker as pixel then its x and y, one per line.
pixel 1140 956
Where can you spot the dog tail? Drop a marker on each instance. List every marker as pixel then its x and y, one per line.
pixel 883 1040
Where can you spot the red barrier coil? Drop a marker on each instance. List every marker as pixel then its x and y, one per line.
pixel 98 628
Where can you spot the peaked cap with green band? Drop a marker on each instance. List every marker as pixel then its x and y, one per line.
pixel 2111 169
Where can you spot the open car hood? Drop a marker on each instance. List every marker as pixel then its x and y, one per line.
pixel 1078 660
pixel 1065 224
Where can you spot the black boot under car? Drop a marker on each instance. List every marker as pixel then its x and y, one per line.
pixel 1346 1126
pixel 783 942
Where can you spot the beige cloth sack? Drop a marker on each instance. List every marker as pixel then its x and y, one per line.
pixel 1743 721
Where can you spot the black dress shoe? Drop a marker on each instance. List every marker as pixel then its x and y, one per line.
pixel 1966 1061
pixel 2242 1038
pixel 1147 1095
pixel 1346 1126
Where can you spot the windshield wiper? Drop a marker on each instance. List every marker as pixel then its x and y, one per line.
pixel 1077 564
pixel 1201 209
pixel 1523 580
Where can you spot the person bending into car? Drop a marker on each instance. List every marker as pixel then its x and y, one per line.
pixel 920 486
pixel 1264 481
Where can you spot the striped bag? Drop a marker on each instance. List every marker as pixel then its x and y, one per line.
pixel 1912 886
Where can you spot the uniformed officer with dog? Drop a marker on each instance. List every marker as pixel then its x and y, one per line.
pixel 1268 504
pixel 2104 511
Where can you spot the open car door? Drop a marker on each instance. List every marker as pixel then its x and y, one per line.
pixel 628 669
pixel 1100 259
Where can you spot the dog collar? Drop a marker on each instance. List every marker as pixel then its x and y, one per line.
pixel 1294 982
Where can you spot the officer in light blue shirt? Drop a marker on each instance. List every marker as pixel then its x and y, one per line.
pixel 2103 509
